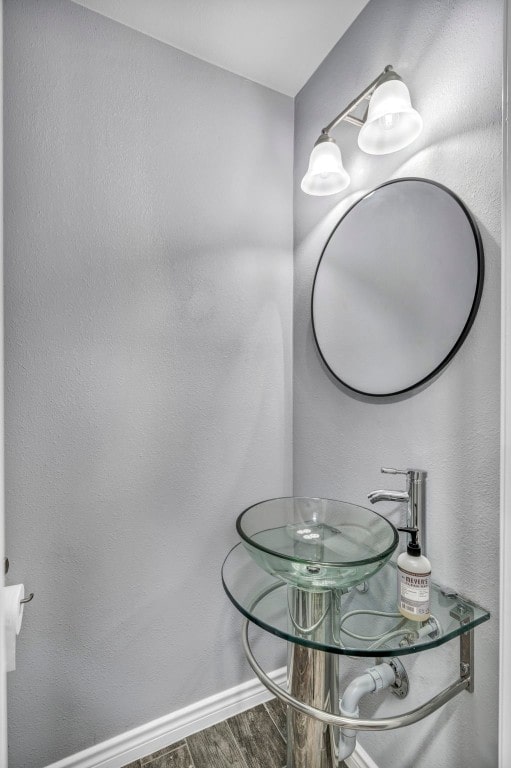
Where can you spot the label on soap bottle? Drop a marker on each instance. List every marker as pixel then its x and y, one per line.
pixel 413 592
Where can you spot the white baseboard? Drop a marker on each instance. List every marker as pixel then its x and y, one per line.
pixel 360 759
pixel 148 738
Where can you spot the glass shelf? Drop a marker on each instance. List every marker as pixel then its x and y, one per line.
pixel 266 601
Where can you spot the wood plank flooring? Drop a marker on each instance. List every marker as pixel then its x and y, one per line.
pixel 253 739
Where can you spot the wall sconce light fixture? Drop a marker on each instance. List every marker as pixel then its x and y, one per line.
pixel 390 124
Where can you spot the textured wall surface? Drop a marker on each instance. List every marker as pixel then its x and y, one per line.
pixel 450 55
pixel 148 313
pixel 148 347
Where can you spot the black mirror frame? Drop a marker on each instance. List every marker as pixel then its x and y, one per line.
pixel 473 310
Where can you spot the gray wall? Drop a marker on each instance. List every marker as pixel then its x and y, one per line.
pixel 148 346
pixel 450 55
pixel 148 314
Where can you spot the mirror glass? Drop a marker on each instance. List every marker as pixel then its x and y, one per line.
pixel 397 287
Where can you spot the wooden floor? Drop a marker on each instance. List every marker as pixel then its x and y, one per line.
pixel 254 739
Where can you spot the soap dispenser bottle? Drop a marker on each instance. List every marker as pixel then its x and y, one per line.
pixel 413 580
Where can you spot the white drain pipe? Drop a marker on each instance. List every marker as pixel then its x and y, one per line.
pixel 374 679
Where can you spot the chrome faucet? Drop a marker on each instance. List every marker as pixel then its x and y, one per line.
pixel 415 497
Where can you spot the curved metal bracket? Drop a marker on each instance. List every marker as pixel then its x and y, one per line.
pixel 379 724
pixel 28 599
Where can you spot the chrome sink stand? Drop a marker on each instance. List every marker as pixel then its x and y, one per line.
pixel 313 677
pixel 313 718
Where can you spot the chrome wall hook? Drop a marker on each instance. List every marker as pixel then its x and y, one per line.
pixel 28 599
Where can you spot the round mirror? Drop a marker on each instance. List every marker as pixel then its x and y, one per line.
pixel 397 287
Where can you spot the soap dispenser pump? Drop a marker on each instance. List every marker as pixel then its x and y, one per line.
pixel 413 580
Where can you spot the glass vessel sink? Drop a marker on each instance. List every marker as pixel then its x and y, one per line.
pixel 317 543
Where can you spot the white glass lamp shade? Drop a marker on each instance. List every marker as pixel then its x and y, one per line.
pixel 325 174
pixel 392 123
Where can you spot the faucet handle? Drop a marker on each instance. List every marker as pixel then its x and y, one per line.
pixel 414 475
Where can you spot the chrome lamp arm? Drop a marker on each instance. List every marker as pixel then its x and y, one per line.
pixel 387 74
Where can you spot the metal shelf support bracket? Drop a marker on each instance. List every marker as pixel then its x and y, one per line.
pixel 464 683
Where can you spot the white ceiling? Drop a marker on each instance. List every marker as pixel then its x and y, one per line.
pixel 278 43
